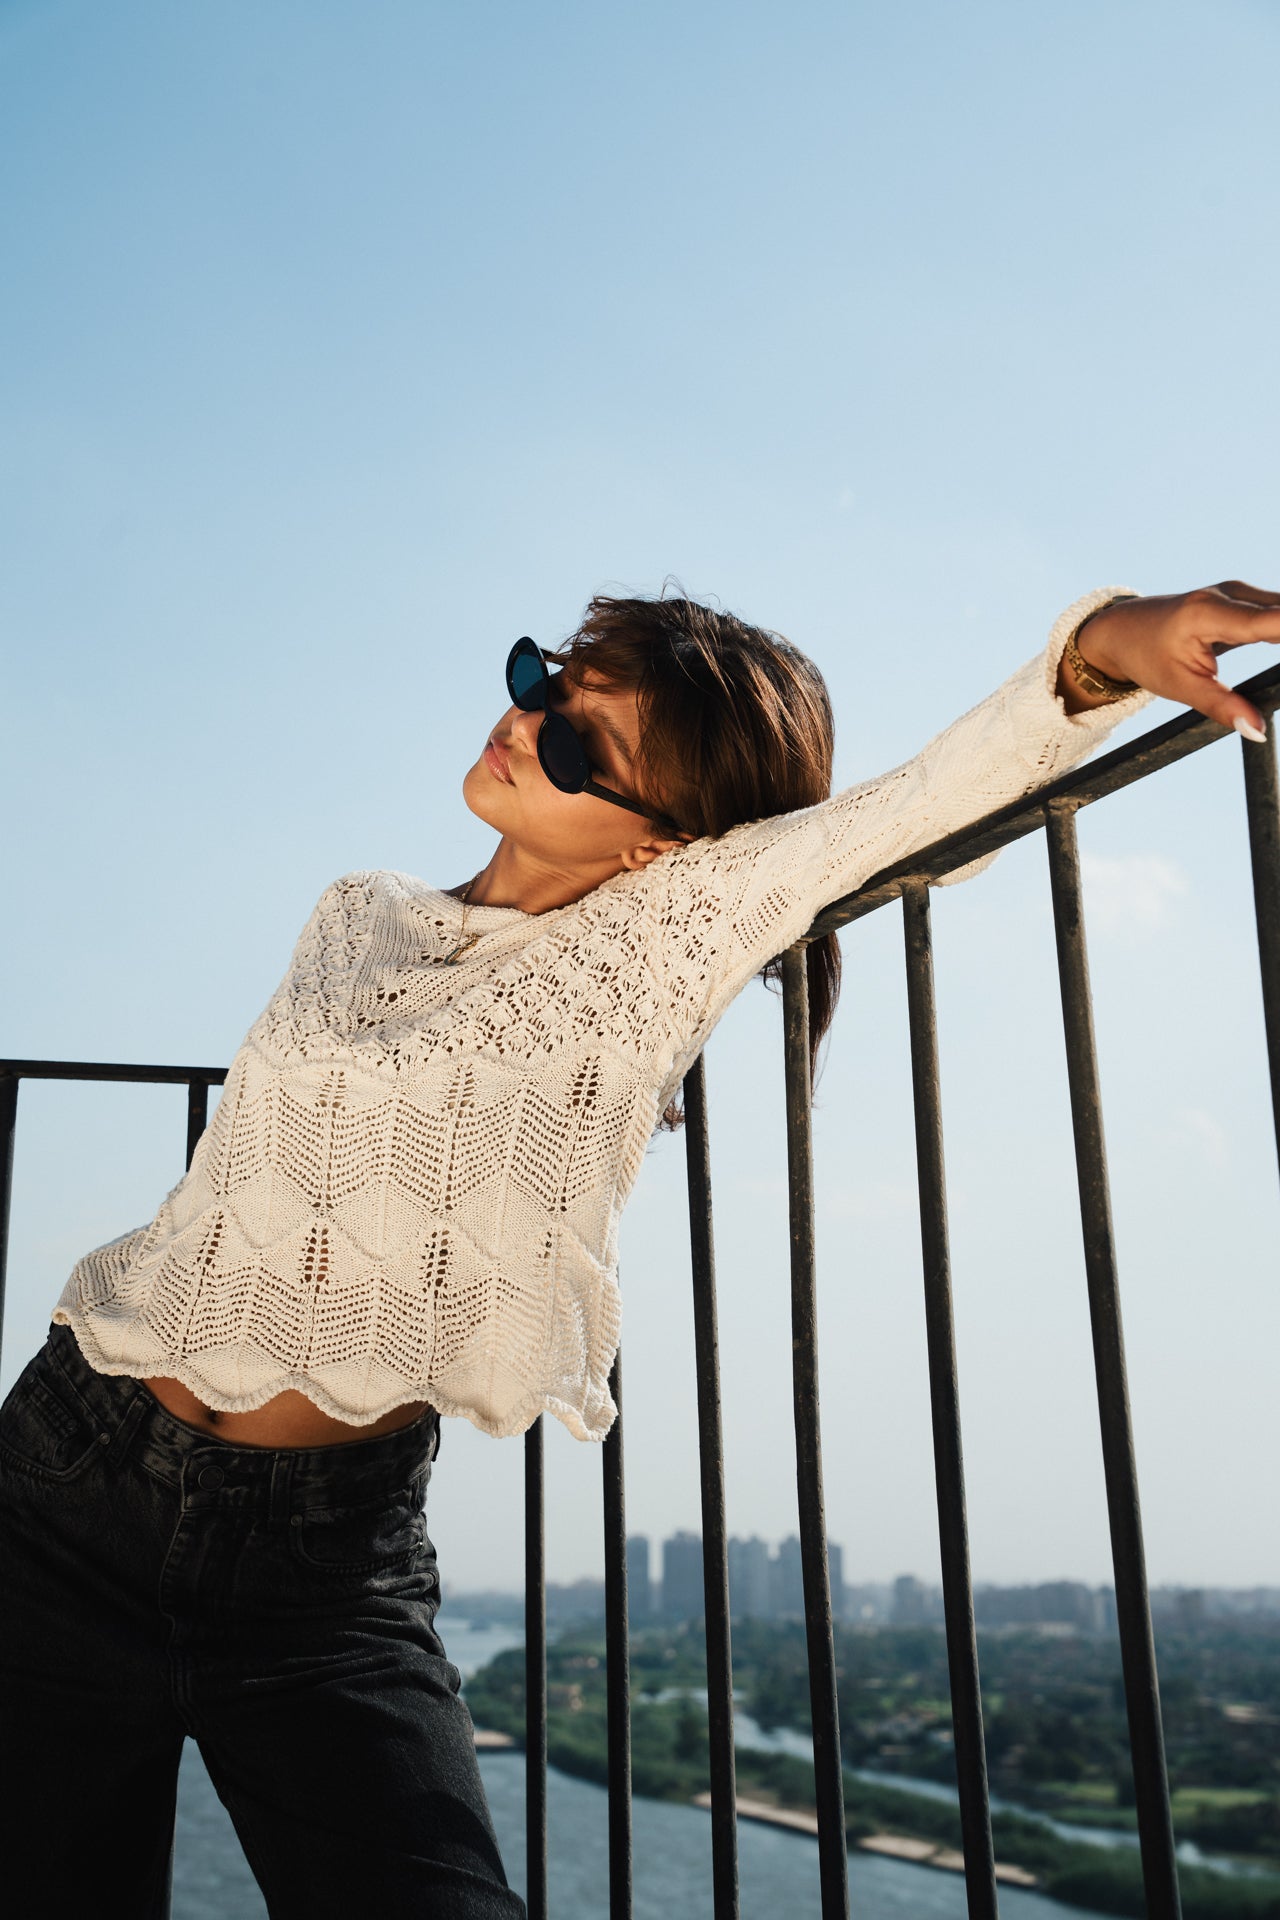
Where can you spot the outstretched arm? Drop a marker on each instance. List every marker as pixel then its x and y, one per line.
pixel 729 905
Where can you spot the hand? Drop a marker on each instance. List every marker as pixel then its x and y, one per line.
pixel 1169 643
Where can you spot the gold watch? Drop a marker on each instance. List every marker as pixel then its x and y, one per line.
pixel 1092 679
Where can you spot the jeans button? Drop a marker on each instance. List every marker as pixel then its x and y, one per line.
pixel 210 1477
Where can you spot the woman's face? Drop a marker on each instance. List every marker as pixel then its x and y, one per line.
pixel 508 788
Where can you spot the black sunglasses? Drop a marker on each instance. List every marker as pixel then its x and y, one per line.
pixel 562 756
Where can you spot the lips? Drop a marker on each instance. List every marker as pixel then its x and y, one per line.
pixel 497 762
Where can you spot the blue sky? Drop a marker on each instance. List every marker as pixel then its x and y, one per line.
pixel 342 344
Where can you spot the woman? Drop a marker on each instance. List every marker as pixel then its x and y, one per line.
pixel 406 1206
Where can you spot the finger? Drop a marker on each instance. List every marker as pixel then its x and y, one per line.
pixel 1222 623
pixel 1241 590
pixel 1212 697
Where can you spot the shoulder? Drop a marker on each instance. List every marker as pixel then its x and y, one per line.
pixel 373 886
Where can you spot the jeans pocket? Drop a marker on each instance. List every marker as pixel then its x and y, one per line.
pixel 386 1537
pixel 45 1427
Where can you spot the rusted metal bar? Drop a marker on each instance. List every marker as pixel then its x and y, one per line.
pixel 1264 853
pixel 1133 1608
pixel 1185 734
pixel 112 1070
pixel 8 1132
pixel 197 1113
pixel 944 1395
pixel 833 1858
pixel 617 1661
pixel 715 1553
pixel 535 1677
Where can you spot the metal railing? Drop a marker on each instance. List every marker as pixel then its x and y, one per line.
pixel 1053 809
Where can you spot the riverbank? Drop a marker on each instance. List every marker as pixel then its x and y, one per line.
pixel 671 1857
pixel 670 1761
pixel 920 1853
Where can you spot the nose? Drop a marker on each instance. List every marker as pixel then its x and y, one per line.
pixel 524 728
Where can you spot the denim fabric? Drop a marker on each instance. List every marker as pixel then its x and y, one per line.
pixel 276 1605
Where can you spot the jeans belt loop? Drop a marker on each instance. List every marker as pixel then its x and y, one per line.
pixel 281 1484
pixel 129 1422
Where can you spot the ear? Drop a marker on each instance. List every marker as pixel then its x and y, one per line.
pixel 636 858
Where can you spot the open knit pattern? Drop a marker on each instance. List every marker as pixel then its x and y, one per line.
pixel 412 1184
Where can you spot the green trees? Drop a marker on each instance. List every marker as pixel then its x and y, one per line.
pixel 1056 1740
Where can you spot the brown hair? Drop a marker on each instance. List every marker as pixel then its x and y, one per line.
pixel 735 725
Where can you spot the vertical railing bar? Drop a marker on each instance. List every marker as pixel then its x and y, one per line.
pixel 535 1678
pixel 944 1395
pixel 197 1113
pixel 833 1857
pixel 197 1121
pixel 8 1132
pixel 1133 1606
pixel 1263 811
pixel 715 1552
pixel 617 1660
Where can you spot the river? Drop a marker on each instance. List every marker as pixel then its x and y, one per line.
pixel 778 1871
pixel 749 1733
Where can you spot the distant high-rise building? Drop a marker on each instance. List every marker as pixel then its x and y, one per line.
pixel 1053 1603
pixel 788 1581
pixel 835 1574
pixel 750 1597
pixel 682 1596
pixel 1189 1609
pixel 867 1605
pixel 1070 1603
pixel 909 1608
pixel 639 1579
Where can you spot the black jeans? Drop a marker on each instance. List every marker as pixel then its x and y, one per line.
pixel 277 1605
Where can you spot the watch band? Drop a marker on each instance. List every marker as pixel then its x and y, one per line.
pixel 1092 679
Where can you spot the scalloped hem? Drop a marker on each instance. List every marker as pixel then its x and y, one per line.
pixel 175 1367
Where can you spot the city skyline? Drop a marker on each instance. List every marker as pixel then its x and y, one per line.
pixel 766 1583
pixel 326 378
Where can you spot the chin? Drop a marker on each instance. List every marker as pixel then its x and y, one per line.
pixel 483 795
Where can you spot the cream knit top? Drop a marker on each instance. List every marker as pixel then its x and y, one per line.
pixel 412 1184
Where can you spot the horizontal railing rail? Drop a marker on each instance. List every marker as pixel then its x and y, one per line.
pixel 1185 734
pixel 1051 808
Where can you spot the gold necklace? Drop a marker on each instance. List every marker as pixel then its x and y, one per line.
pixel 464 945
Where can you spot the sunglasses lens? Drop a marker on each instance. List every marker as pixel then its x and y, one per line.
pixel 560 751
pixel 526 675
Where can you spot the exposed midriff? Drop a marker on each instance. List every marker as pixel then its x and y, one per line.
pixel 290 1420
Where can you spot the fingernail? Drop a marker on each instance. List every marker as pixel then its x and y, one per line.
pixel 1247 728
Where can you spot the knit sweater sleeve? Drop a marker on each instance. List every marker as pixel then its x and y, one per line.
pixel 726 906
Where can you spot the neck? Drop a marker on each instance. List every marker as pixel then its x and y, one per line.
pixel 515 878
